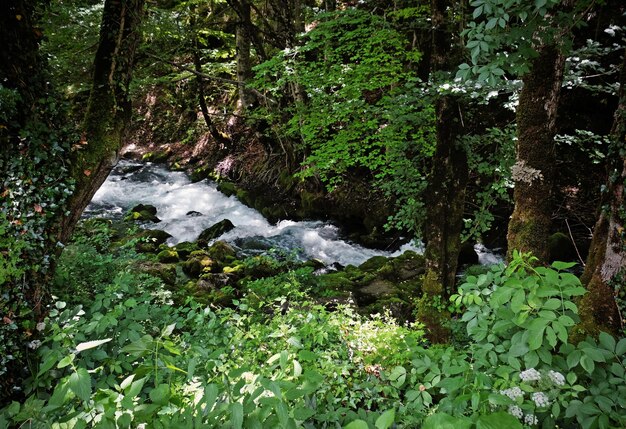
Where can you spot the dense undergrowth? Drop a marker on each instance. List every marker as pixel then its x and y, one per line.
pixel 121 350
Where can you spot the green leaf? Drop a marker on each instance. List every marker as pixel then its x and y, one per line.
pixel 587 363
pixel 397 377
pixel 66 361
pixel 357 424
pixel 236 415
pixel 607 341
pixel 620 349
pixel 498 420
pixel 303 414
pixel 91 344
pixel 161 394
pixel 386 419
pixel 560 266
pixel 445 421
pixel 80 383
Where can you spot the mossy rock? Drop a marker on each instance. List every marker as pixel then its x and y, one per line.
pixel 337 282
pixel 199 262
pixel 374 263
pixel 165 272
pixel 156 156
pixel 149 240
pixel 561 248
pixel 200 174
pixel 222 252
pixel 143 213
pixel 374 291
pixel 215 231
pixel 185 248
pixel 168 256
pixel 227 188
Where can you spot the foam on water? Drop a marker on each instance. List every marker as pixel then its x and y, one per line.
pixel 174 196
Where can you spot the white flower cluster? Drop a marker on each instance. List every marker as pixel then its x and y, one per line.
pixel 512 392
pixel 34 345
pixel 530 419
pixel 530 375
pixel 515 411
pixel 556 377
pixel 540 399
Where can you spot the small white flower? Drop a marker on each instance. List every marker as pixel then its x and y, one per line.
pixel 557 378
pixel 540 399
pixel 515 411
pixel 530 375
pixel 513 393
pixel 41 326
pixel 531 419
pixel 35 344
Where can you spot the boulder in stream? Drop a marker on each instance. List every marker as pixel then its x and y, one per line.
pixel 143 213
pixel 212 232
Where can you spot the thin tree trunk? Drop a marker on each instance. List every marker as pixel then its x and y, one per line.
pixel 109 108
pixel 446 191
pixel 605 271
pixel 244 61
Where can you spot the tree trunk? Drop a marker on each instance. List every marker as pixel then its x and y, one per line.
pixel 445 194
pixel 109 108
pixel 244 61
pixel 529 226
pixel 605 271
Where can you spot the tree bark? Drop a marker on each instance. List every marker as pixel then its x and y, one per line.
pixel 445 194
pixel 244 60
pixel 109 108
pixel 529 226
pixel 605 271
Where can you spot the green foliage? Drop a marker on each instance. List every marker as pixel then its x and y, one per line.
pixel 125 356
pixel 33 188
pixel 490 157
pixel 364 111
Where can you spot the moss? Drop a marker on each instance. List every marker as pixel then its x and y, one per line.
pixel 215 231
pixel 168 255
pixel 185 248
pixel 374 263
pixel 198 262
pixel 156 157
pixel 165 272
pixel 222 252
pixel 560 248
pixel 597 310
pixel 227 188
pixel 200 173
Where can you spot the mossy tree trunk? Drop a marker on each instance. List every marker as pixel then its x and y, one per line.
pixel 533 171
pixel 109 108
pixel 605 271
pixel 445 192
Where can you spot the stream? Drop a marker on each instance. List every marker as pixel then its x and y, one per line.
pixel 187 208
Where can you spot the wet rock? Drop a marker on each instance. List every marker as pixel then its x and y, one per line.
pixel 165 272
pixel 193 213
pixel 143 213
pixel 199 262
pixel 374 291
pixel 227 188
pixel 185 248
pixel 168 256
pixel 215 231
pixel 149 240
pixel 156 157
pixel 222 252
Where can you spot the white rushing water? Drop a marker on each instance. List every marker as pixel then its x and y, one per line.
pixel 174 196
